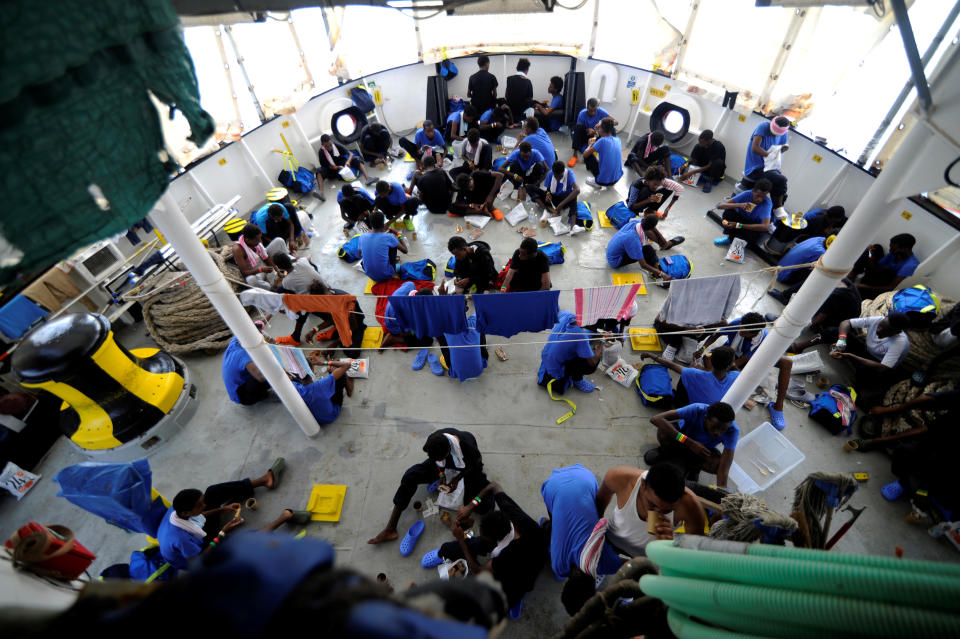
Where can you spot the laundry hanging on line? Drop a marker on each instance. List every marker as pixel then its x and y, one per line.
pixel 337 306
pixel 507 314
pixel 430 315
pixel 293 361
pixel 604 302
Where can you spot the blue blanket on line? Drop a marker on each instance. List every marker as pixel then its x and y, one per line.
pixel 507 314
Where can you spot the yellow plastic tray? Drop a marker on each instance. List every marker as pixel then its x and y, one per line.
pixel 644 339
pixel 619 279
pixel 372 337
pixel 604 220
pixel 326 502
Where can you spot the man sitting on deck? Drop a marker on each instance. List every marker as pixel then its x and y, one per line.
pixel 529 269
pixel 426 142
pixel 375 143
pixel 586 128
pixel 452 456
pixel 474 270
pixel 710 158
pixel 692 443
pixel 434 186
pixel 603 157
pixel 550 113
pixel 253 260
pixel 629 246
pixel 334 157
pixel 568 355
pixel 883 273
pixel 638 493
pixel 576 553
pixel 476 154
pixel 392 199
pixel 559 192
pixel 524 167
pixel 324 397
pixel 747 215
pixel 649 151
pixel 379 249
pixel 697 385
pixel 476 193
pixel 745 339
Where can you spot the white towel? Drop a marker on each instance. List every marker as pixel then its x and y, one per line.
pixel 188 525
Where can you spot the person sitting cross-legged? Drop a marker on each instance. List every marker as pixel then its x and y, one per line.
pixel 375 143
pixel 649 151
pixel 603 156
pixel 586 128
pixel 474 269
pixel 379 249
pixel 452 456
pixel 324 397
pixel 426 142
pixel 459 122
pixel 476 154
pixel 559 192
pixel 392 199
pixel 881 272
pixel 550 113
pixel 524 167
pixel 355 205
pixel 254 260
pixel 692 443
pixel 647 193
pixel 529 269
pixel 434 186
pixel 710 158
pixel 334 157
pixel 747 215
pixel 476 193
pixel 744 338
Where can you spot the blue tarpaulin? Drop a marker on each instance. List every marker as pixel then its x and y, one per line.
pixel 120 493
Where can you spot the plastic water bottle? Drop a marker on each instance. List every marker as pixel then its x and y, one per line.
pixel 531 216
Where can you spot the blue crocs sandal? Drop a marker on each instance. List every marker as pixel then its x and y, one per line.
pixel 432 559
pixel 410 539
pixel 434 487
pixel 419 360
pixel 435 366
pixel 892 491
pixel 722 241
pixel 517 610
pixel 776 417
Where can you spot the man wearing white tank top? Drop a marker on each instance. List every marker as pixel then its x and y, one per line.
pixel 660 490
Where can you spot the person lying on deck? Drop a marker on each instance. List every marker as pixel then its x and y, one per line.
pixel 452 456
pixel 692 442
pixel 745 340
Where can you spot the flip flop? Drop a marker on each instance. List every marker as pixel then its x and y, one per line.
pixel 722 241
pixel 287 340
pixel 497 214
pixel 432 559
pixel 372 181
pixel 410 539
pixel 677 241
pixel 276 469
pixel 517 610
pixel 572 162
pixel 299 517
pixel 435 366
pixel 419 360
pixel 892 491
pixel 776 417
pixel 409 224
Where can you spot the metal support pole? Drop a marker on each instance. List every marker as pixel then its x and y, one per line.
pixel 853 238
pixel 644 96
pixel 204 193
pixel 905 92
pixel 301 53
pixel 181 237
pixel 243 70
pixel 684 39
pixel 793 30
pixel 913 56
pixel 267 182
pixel 593 28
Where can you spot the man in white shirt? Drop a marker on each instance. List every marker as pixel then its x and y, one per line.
pixel 875 358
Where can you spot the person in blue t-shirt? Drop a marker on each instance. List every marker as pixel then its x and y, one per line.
pixel 823 222
pixel 629 246
pixel 539 139
pixel 586 127
pixel 324 397
pixel 745 337
pixel 604 157
pixel 692 443
pixel 550 113
pixel 525 166
pixel 494 121
pixel 355 204
pixel 426 141
pixel 698 385
pixel 459 122
pixel 375 143
pixel 379 249
pixel 766 135
pixel 394 201
pixel 747 215
pixel 568 355
pixel 883 273
pixel 803 253
pixel 558 192
pixel 245 384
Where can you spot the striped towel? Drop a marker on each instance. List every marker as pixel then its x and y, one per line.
pixel 590 555
pixel 604 302
pixel 292 360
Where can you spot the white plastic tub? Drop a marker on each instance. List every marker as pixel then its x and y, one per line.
pixel 763 456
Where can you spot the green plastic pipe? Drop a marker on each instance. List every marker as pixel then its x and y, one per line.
pixel 686 628
pixel 858 582
pixel 815 612
pixel 737 621
pixel 695 542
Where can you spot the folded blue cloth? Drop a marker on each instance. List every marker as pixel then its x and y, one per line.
pixel 507 314
pixel 430 315
pixel 18 315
